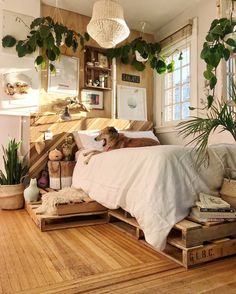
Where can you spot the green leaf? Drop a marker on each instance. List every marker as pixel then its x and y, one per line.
pixel 52 68
pixel 180 56
pixel 217 30
pixel 44 31
pixel 208 74
pixel 213 82
pixel 226 54
pixel 153 62
pixel 210 100
pixel 210 38
pixel 8 41
pixel 36 22
pixel 170 67
pixel 69 38
pixel 51 54
pixel 39 60
pixel 161 66
pixel 138 65
pixel 191 108
pixel 21 49
pixel 230 42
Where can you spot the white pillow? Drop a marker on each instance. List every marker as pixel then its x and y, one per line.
pixel 140 134
pixel 85 140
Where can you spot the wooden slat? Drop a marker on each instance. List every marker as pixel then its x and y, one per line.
pixel 62 129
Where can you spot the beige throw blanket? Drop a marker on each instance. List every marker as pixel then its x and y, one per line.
pixel 51 199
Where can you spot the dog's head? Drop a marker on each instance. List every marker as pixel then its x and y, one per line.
pixel 107 135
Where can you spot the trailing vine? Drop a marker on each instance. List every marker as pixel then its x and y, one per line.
pixel 148 51
pixel 47 35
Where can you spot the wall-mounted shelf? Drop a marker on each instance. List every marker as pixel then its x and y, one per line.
pixel 97 69
pixel 98 88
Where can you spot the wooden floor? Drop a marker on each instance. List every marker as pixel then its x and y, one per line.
pixel 98 259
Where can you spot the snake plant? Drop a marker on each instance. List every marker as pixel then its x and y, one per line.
pixel 15 169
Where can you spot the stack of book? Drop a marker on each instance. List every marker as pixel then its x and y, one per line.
pixel 212 209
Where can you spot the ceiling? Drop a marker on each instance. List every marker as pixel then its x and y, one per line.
pixel 156 13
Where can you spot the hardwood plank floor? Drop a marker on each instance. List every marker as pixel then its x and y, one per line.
pixel 96 259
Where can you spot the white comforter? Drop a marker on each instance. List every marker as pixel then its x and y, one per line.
pixel 157 185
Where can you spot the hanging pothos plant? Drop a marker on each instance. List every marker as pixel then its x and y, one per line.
pixel 151 52
pixel 219 45
pixel 47 35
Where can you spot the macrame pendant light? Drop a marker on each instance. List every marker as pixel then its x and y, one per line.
pixel 107 26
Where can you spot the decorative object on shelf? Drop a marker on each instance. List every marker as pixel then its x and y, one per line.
pixel 11 187
pixel 67 148
pixel 31 193
pixel 17 85
pixel 48 135
pixel 46 34
pixel 92 98
pixel 65 81
pixel 43 180
pixel 107 25
pixel 131 103
pixel 66 114
pixel 220 43
pixel 130 78
pixel 55 155
pixel 103 61
pixel 60 173
pixel 152 51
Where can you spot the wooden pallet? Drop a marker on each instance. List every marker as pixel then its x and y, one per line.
pixel 55 222
pixel 189 243
pixel 126 222
pixel 193 234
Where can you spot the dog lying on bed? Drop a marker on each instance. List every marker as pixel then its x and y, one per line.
pixel 114 140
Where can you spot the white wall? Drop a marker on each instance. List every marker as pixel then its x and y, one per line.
pixel 17 126
pixel 205 11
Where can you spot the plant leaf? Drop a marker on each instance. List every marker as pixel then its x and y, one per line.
pixel 8 41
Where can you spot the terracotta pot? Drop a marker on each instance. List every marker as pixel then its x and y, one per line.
pixel 11 196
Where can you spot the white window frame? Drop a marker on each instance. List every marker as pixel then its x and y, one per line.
pixel 161 126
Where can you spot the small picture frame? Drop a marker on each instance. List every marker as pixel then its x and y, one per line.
pixel 103 61
pixel 92 98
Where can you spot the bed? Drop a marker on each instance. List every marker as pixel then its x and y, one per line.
pixel 157 185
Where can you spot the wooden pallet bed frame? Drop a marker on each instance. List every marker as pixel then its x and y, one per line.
pixel 189 243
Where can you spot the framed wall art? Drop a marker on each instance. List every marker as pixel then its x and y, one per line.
pixel 131 103
pixel 66 79
pixel 92 98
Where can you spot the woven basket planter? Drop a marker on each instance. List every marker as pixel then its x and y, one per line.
pixel 228 191
pixel 11 196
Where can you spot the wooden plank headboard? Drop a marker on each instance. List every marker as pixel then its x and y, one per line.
pixel 61 129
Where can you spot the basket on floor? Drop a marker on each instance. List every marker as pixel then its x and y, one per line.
pixel 11 196
pixel 228 191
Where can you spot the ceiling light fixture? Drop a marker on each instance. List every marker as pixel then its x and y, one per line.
pixel 107 25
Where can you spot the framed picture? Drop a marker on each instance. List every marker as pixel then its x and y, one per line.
pixel 66 79
pixel 131 103
pixel 103 61
pixel 92 98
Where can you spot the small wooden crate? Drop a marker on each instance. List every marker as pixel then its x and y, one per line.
pixel 85 213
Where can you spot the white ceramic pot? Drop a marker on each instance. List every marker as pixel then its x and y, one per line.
pixel 139 57
pixel 31 193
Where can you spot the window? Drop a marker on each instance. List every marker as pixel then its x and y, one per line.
pixel 176 87
pixel 230 75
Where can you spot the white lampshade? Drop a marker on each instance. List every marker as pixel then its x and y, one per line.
pixel 107 25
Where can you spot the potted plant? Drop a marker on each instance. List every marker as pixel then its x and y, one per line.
pixel 220 43
pixel 11 187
